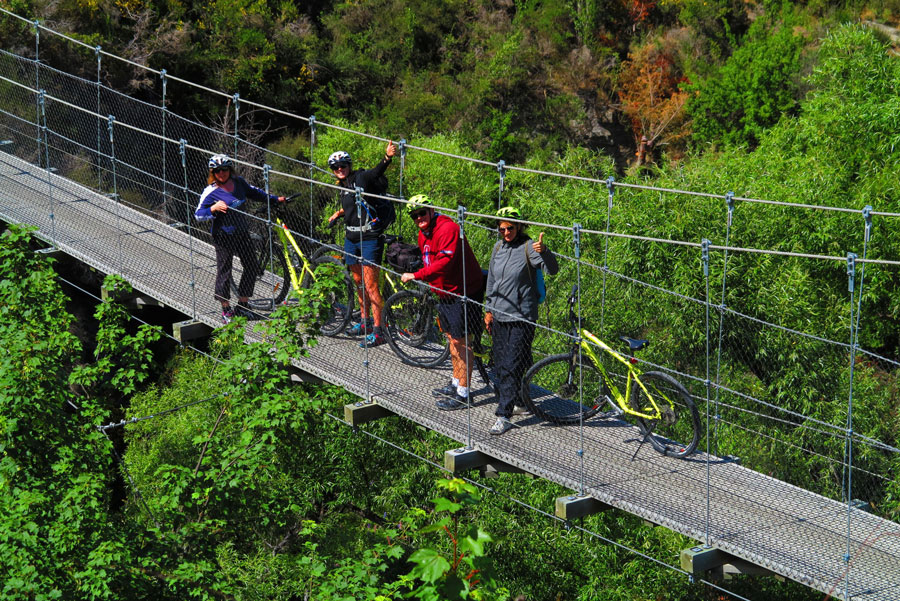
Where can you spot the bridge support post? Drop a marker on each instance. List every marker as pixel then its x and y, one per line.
pixel 190 329
pixel 463 459
pixel 571 507
pixel 362 412
pixel 133 299
pixel 714 564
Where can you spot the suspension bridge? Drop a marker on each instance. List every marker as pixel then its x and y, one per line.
pixel 112 182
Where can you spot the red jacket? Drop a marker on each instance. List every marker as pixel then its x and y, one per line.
pixel 443 269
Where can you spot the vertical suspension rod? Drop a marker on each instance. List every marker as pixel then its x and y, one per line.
pixel 46 138
pixel 362 293
pixel 729 203
pixel 115 193
pixel 237 111
pixel 704 257
pixel 461 216
pixel 576 241
pixel 312 154
pixel 165 191
pixel 611 190
pixel 182 144
pixel 97 50
pixel 501 170
pixel 266 169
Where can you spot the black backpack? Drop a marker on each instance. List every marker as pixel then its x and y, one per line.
pixel 401 256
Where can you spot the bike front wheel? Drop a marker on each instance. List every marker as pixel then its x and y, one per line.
pixel 412 329
pixel 561 391
pixel 677 432
pixel 341 301
pixel 273 281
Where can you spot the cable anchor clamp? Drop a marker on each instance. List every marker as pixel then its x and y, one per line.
pixel 576 239
pixel 851 270
pixel 867 215
pixel 729 202
pixel 704 256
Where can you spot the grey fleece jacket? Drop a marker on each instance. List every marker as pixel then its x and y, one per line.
pixel 511 293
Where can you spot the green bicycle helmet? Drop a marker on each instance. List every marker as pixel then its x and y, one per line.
pixel 509 213
pixel 417 202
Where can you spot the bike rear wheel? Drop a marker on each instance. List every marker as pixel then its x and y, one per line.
pixel 677 432
pixel 412 328
pixel 561 391
pixel 341 302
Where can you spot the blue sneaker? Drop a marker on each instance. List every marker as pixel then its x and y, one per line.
pixel 357 328
pixel 372 340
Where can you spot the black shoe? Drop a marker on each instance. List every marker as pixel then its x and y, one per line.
pixel 451 404
pixel 244 311
pixel 447 391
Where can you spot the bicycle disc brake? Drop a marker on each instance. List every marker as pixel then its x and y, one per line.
pixel 668 416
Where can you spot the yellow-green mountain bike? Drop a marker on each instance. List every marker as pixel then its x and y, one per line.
pixel 565 390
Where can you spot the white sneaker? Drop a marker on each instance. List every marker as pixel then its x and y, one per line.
pixel 520 410
pixel 501 425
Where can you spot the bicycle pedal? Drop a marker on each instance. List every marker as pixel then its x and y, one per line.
pixel 260 304
pixel 615 410
pixel 611 414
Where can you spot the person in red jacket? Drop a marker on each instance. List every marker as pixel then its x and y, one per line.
pixel 452 270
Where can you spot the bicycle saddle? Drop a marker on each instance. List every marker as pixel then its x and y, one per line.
pixel 633 343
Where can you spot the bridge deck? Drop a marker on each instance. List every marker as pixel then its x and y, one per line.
pixel 790 531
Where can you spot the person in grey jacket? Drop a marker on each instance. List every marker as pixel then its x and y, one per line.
pixel 511 305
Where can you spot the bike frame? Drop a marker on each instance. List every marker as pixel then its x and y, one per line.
pixel 287 238
pixel 633 376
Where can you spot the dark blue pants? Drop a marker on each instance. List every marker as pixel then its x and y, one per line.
pixel 226 248
pixel 512 358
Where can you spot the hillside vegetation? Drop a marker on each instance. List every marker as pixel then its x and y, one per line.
pixel 797 102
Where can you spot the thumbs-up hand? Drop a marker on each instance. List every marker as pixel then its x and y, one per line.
pixel 539 245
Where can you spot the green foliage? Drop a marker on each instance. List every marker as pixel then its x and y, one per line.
pixel 122 361
pixel 721 21
pixel 754 88
pixel 466 572
pixel 53 470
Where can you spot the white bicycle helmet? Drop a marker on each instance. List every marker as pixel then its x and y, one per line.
pixel 219 161
pixel 341 156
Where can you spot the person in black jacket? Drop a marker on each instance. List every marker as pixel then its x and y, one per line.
pixel 363 241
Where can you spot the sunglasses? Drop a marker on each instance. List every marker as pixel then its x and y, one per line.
pixel 503 230
pixel 221 169
pixel 420 213
pixel 340 166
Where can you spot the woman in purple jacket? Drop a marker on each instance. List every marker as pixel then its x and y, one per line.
pixel 226 191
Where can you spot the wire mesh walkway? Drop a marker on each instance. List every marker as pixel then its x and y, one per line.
pixel 788 530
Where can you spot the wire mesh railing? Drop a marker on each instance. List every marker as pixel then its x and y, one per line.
pixel 785 391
